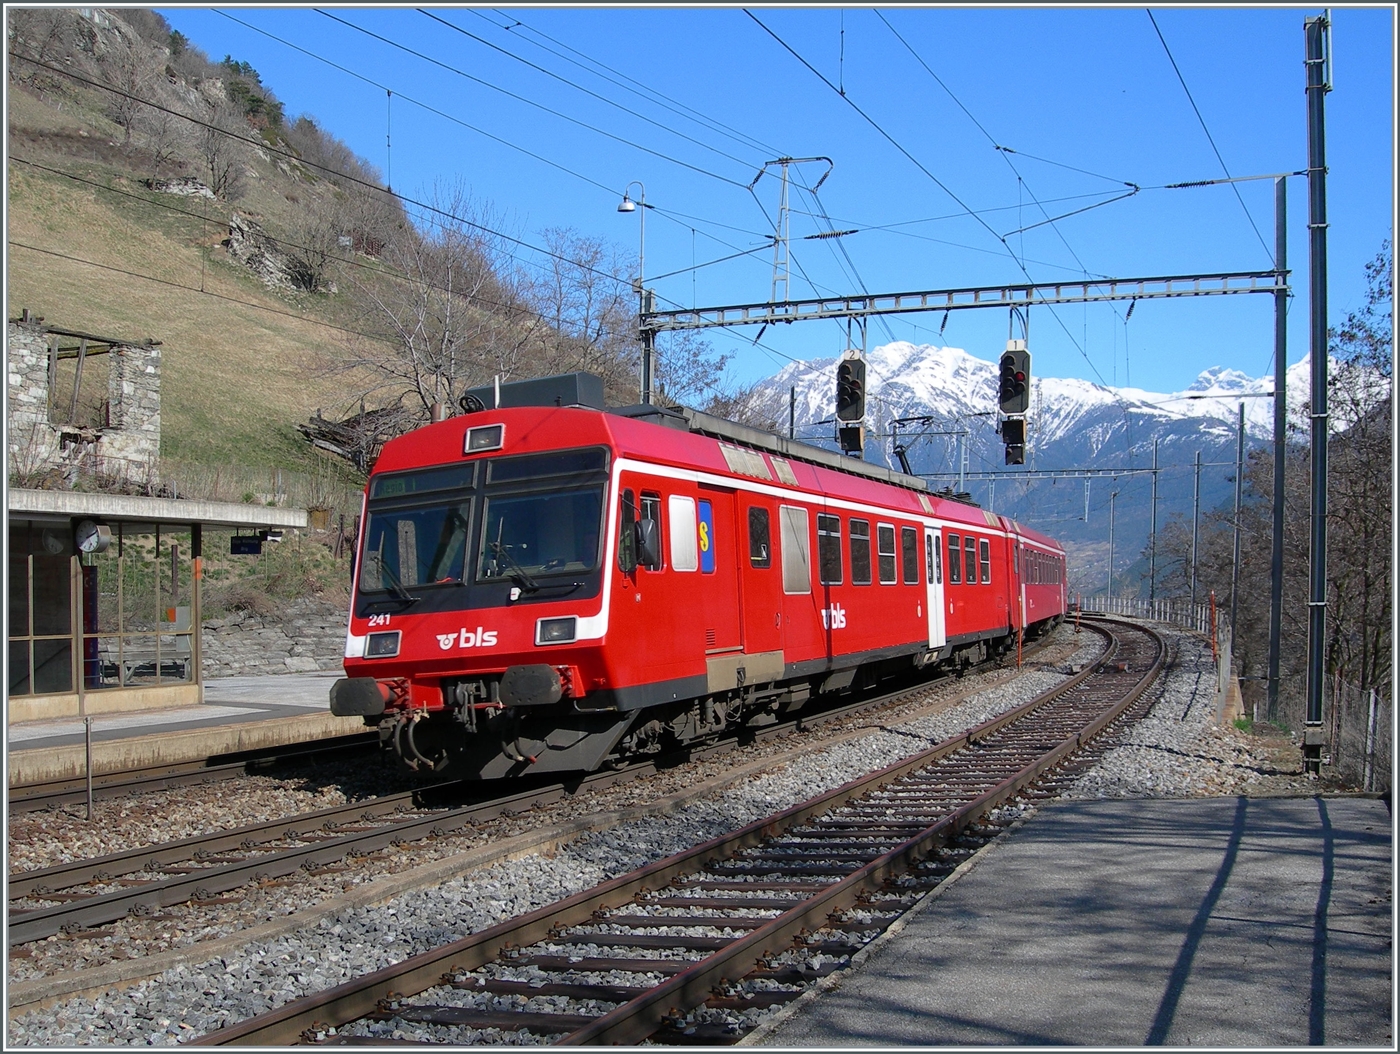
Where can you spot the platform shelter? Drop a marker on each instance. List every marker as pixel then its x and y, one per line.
pixel 104 597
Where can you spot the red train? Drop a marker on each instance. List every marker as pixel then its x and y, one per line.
pixel 546 586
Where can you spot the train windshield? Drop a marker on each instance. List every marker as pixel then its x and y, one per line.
pixel 485 533
pixel 405 548
pixel 527 536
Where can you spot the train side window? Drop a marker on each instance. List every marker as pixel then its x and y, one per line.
pixel 884 539
pixel 970 560
pixel 651 510
pixel 984 553
pixel 1016 559
pixel 938 563
pixel 860 552
pixel 954 559
pixel 828 549
pixel 684 556
pixel 760 548
pixel 909 544
pixel 627 532
pixel 797 549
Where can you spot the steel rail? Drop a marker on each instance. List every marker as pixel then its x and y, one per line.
pixel 359 998
pixel 635 1021
pixel 75 913
pixel 32 797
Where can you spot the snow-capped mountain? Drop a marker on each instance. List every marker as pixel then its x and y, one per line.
pixel 1072 425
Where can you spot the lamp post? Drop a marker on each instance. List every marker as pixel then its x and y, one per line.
pixel 643 298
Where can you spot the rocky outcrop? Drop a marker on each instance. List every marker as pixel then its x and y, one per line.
pixel 255 249
pixel 186 186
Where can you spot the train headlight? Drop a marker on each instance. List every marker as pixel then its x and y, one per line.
pixel 486 437
pixel 556 630
pixel 382 645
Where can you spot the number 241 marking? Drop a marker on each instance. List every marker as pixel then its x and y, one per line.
pixel 379 620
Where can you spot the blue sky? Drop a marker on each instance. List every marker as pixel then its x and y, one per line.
pixel 695 100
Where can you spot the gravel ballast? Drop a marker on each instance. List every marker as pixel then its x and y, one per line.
pixel 1176 751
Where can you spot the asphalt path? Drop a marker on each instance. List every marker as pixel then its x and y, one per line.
pixel 1223 922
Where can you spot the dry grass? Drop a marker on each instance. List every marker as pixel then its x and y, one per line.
pixel 241 365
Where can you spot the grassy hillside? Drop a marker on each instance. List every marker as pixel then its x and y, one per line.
pixel 240 365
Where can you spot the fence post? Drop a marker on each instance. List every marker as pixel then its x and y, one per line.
pixel 1369 771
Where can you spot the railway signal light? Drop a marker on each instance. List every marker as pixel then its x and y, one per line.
pixel 850 388
pixel 1013 434
pixel 852 439
pixel 1014 392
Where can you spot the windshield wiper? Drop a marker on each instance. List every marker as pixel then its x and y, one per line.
pixel 401 594
pixel 518 573
pixel 502 552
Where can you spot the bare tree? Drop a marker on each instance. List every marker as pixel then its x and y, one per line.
pixel 1360 465
pixel 449 314
pixel 131 71
pixel 585 313
pixel 45 34
pixel 164 136
pixel 221 149
pixel 313 243
pixel 689 371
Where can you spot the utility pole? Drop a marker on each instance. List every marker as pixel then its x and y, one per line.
pixel 1235 566
pixel 1280 443
pixel 1152 553
pixel 1319 70
pixel 1113 495
pixel 782 228
pixel 1195 529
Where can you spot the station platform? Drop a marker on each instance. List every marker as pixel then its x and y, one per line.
pixel 238 714
pixel 1220 922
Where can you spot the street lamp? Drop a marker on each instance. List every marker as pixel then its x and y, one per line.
pixel 628 205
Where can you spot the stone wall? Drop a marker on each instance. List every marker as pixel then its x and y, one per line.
pixel 126 448
pixel 309 635
pixel 33 443
pixel 134 395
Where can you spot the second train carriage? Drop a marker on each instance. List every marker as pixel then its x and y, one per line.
pixel 544 585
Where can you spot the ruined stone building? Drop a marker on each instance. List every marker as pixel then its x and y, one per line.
pixel 81 405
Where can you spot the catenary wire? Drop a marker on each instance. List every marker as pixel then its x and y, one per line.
pixel 659 154
pixel 1210 138
pixel 660 210
pixel 874 124
pixel 650 94
pixel 592 94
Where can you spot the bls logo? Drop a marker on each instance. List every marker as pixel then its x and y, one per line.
pixel 834 617
pixel 482 638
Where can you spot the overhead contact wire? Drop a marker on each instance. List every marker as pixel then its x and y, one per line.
pixel 661 155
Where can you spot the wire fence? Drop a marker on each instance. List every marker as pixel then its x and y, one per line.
pixel 1176 610
pixel 1360 736
pixel 1358 721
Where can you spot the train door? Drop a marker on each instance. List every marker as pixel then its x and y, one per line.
pixel 933 575
pixel 716 601
pixel 1019 562
pixel 760 575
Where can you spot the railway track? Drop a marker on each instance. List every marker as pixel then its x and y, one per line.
pixel 740 922
pixel 80 896
pixel 53 794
